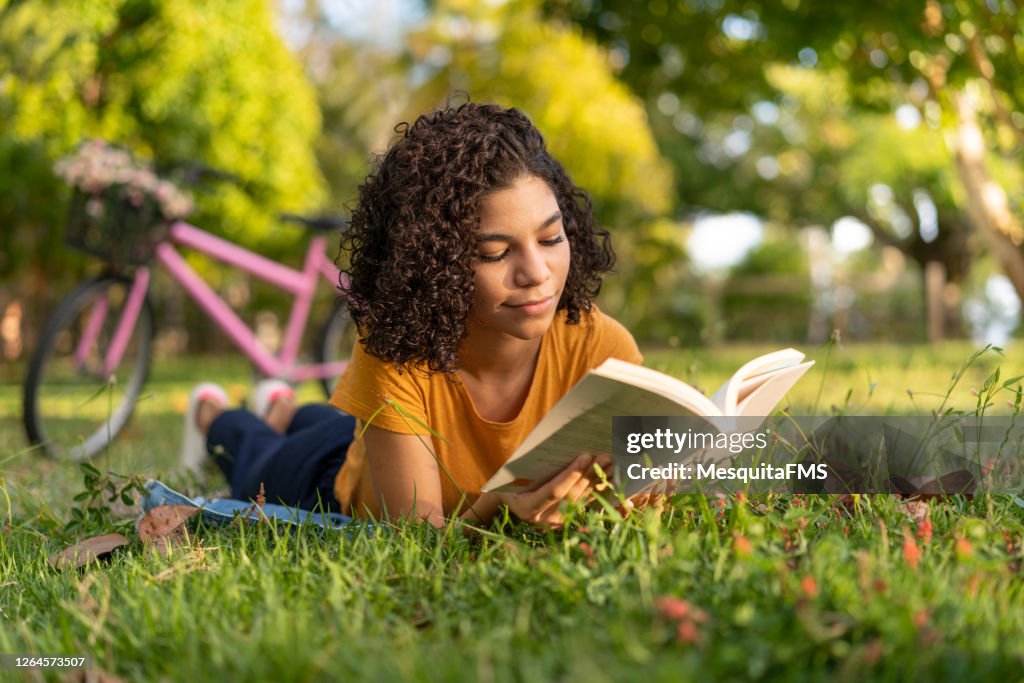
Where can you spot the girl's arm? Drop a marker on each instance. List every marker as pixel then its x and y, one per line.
pixel 405 475
pixel 407 479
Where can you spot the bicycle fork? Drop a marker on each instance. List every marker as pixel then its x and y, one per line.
pixel 123 332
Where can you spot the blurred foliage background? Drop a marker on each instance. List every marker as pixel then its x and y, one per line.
pixel 771 171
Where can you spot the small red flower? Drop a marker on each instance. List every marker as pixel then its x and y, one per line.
pixel 686 632
pixel 963 548
pixel 973 584
pixel 809 587
pixel 911 553
pixel 742 546
pixel 924 531
pixel 673 608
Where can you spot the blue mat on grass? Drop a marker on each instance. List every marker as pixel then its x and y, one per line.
pixel 224 510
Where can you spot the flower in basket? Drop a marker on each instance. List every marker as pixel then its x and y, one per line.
pixel 109 174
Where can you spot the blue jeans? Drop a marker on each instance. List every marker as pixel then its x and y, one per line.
pixel 296 468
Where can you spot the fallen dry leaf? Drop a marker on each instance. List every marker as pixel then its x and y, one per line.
pixel 165 545
pixel 164 520
pixel 84 552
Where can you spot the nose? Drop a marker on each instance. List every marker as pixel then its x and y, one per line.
pixel 531 268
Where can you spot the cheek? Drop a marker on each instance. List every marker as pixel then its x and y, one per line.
pixel 487 289
pixel 565 262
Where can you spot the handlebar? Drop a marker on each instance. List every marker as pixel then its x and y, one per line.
pixel 318 223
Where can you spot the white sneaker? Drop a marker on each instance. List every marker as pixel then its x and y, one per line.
pixel 265 393
pixel 193 447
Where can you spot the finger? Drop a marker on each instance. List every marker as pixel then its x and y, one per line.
pixel 557 488
pixel 579 490
pixel 553 521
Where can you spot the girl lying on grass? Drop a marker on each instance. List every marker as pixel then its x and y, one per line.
pixel 474 259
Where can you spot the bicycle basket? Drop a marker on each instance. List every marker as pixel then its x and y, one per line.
pixel 115 227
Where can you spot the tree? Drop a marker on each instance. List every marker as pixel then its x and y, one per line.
pixel 706 69
pixel 182 80
pixel 508 53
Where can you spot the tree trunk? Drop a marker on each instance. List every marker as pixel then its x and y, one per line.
pixel 934 285
pixel 987 206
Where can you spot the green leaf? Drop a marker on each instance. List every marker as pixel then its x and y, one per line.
pixel 990 381
pixel 1012 380
pixel 89 469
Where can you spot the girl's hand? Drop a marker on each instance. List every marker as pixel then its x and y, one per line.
pixel 541 503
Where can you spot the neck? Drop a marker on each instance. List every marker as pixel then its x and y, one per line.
pixel 490 357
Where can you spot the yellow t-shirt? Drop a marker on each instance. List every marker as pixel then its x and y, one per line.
pixel 474 448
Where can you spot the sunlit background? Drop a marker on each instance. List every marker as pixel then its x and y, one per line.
pixel 771 171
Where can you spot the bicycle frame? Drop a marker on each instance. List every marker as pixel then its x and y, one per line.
pixel 301 284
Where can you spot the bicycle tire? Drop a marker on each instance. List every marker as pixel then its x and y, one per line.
pixel 54 419
pixel 337 335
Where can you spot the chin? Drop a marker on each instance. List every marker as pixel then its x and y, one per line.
pixel 531 329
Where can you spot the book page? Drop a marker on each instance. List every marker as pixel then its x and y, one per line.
pixel 764 397
pixel 752 376
pixel 659 383
pixel 579 423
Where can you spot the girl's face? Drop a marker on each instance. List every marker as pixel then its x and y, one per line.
pixel 522 261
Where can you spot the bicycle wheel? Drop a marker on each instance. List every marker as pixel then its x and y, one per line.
pixel 336 340
pixel 72 407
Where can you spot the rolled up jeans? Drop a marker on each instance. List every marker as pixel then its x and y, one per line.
pixel 296 468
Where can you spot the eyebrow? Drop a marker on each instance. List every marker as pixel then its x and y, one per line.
pixel 499 237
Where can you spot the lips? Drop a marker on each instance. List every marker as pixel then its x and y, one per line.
pixel 533 307
pixel 534 302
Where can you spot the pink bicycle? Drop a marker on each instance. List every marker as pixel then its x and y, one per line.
pixel 93 356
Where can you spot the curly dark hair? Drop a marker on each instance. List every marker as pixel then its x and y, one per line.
pixel 411 239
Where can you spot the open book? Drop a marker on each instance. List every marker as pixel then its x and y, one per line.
pixel 582 420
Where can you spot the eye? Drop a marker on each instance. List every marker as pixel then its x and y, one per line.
pixel 493 259
pixel 553 241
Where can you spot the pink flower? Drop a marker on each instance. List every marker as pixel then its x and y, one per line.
pixel 673 608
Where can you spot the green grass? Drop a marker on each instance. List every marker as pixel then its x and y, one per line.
pixel 794 588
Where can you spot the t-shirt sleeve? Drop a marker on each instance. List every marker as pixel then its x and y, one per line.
pixel 610 339
pixel 373 391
